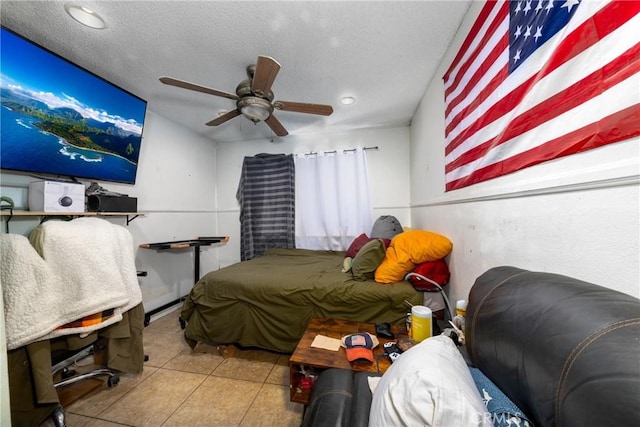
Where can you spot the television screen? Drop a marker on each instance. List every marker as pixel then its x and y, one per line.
pixel 60 119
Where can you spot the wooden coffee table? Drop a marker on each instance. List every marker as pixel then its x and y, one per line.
pixel 306 362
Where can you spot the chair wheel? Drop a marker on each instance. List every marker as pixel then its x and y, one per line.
pixel 114 380
pixel 67 373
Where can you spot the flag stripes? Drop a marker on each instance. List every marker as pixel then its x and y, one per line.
pixel 571 97
pixel 492 114
pixel 628 119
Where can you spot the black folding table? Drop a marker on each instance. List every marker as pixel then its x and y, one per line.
pixel 196 244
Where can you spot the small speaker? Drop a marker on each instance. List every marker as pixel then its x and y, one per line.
pixel 101 203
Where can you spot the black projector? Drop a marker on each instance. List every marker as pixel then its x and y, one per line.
pixel 102 203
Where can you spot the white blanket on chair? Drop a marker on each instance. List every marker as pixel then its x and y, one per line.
pixel 87 266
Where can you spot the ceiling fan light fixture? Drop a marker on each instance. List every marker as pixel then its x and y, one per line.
pixel 255 113
pixel 85 16
pixel 347 100
pixel 254 108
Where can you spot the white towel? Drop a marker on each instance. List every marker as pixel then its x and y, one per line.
pixel 95 256
pixel 36 299
pixel 88 267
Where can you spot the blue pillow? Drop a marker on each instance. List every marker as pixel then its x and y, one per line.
pixel 503 411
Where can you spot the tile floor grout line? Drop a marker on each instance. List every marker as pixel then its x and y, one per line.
pixel 238 379
pixel 272 378
pixel 122 397
pixel 185 399
pixel 251 404
pixel 97 418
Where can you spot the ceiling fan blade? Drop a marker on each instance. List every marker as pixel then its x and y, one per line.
pixel 266 71
pixel 223 118
pixel 300 107
pixel 192 86
pixel 276 126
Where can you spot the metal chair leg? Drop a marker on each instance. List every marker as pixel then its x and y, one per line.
pixel 57 417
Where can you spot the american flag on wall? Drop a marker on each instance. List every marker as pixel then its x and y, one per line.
pixel 539 79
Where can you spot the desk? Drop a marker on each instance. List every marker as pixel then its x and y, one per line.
pixel 184 244
pixel 316 359
pixel 196 244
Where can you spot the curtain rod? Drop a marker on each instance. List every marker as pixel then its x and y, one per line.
pixel 346 150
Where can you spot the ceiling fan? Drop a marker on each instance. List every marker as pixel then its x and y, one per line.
pixel 254 98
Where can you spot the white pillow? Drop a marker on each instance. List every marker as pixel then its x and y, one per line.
pixel 429 385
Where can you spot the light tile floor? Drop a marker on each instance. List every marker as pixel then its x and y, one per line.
pixel 208 386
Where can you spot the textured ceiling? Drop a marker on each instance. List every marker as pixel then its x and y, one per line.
pixel 382 53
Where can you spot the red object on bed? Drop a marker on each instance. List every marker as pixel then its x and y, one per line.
pixel 438 271
pixel 360 241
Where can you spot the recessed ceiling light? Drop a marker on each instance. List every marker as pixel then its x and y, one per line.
pixel 85 16
pixel 347 100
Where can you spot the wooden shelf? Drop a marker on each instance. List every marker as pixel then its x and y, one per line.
pixel 9 214
pixel 36 213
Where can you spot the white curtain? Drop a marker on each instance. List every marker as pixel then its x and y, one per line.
pixel 333 202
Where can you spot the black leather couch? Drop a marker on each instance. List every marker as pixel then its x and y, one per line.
pixel 565 351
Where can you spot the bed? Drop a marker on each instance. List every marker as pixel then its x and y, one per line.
pixel 268 301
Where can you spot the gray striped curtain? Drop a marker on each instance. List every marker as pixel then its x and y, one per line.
pixel 266 194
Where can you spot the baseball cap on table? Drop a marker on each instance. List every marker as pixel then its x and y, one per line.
pixel 359 346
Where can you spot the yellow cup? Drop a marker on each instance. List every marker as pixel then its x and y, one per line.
pixel 420 323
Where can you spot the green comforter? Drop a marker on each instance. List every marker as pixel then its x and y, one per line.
pixel 267 302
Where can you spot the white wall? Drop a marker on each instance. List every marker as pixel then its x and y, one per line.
pixel 176 188
pixel 387 166
pixel 186 187
pixel 577 215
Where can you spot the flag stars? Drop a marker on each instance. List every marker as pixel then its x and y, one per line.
pixel 516 57
pixel 549 6
pixel 533 27
pixel 518 8
pixel 539 6
pixel 538 33
pixel 518 32
pixel 569 4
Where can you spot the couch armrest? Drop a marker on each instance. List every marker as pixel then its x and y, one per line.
pixel 331 399
pixel 339 398
pixel 361 399
pixel 564 351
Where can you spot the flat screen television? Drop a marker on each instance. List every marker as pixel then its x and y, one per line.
pixel 59 119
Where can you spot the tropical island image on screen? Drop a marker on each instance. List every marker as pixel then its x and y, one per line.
pixel 59 118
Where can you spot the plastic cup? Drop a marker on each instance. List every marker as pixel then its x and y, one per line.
pixel 420 323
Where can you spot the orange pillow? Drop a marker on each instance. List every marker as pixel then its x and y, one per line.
pixel 408 249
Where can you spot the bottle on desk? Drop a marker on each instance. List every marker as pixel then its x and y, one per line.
pixel 461 308
pixel 461 312
pixel 420 323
